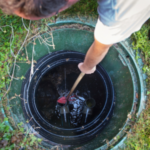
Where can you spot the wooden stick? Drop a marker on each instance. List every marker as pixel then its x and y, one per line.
pixel 76 83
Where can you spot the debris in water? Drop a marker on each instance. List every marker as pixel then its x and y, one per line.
pixel 76 104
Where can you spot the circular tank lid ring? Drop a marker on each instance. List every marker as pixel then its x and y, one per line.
pixel 71 135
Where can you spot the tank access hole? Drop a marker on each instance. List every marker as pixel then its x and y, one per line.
pixel 87 110
pixel 85 104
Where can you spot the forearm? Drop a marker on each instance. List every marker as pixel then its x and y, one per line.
pixel 95 54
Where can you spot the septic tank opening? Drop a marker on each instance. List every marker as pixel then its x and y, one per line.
pixel 57 82
pixel 90 106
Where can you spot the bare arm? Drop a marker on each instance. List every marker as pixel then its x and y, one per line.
pixel 95 54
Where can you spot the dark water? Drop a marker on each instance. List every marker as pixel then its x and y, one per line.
pixel 57 83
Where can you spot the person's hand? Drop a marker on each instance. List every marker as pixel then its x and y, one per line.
pixel 85 69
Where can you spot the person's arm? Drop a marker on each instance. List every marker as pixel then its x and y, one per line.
pixel 94 56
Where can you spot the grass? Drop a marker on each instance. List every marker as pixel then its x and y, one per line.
pixel 141 40
pixel 83 7
pixel 10 45
pixel 139 139
pixel 12 33
pixel 17 139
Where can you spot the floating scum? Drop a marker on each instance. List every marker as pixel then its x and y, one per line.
pixel 76 36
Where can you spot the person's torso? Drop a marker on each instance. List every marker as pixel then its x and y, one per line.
pixel 113 11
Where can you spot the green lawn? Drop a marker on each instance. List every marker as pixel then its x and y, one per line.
pixel 84 7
